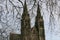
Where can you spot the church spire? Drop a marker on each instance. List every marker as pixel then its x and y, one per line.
pixel 39 24
pixel 38 12
pixel 25 24
pixel 37 17
pixel 25 11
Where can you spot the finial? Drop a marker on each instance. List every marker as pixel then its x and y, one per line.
pixel 38 4
pixel 25 1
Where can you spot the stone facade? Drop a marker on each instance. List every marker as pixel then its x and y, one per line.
pixel 15 36
pixel 34 34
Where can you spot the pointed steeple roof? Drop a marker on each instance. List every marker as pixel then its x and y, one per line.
pixel 38 12
pixel 25 11
pixel 25 8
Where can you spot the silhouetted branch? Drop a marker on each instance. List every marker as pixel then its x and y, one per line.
pixel 21 2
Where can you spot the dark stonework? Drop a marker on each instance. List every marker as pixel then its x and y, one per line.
pixel 39 24
pixel 25 24
pixel 15 36
pixel 34 34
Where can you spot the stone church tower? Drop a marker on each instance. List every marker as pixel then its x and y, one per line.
pixel 39 24
pixel 25 24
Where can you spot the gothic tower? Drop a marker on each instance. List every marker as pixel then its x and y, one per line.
pixel 25 24
pixel 39 24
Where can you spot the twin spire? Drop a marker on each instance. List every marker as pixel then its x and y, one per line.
pixel 25 24
pixel 25 10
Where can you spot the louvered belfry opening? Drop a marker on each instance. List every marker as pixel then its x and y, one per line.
pixel 28 33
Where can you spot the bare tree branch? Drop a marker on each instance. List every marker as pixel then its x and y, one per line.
pixel 21 2
pixel 14 5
